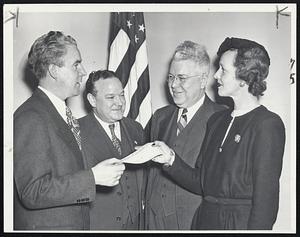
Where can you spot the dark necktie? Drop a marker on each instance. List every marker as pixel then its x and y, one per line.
pixel 74 126
pixel 182 121
pixel 116 142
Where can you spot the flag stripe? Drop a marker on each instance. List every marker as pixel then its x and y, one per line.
pixel 119 46
pixel 139 94
pixel 141 61
pixel 137 69
pixel 145 112
pixel 124 68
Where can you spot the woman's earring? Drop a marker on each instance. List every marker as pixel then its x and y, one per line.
pixel 242 84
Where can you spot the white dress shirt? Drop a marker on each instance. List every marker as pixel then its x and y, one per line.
pixel 191 110
pixel 58 103
pixel 105 126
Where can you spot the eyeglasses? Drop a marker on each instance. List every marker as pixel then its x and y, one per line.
pixel 182 79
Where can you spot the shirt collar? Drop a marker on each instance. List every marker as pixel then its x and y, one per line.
pixel 192 109
pixel 58 103
pixel 105 126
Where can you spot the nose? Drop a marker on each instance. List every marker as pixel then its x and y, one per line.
pixel 118 100
pixel 217 75
pixel 175 83
pixel 82 71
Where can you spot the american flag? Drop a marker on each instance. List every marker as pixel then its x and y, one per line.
pixel 128 58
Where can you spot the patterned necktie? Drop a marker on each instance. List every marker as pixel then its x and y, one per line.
pixel 182 121
pixel 74 126
pixel 116 142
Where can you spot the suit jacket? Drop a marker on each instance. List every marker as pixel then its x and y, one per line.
pixel 117 207
pixel 52 187
pixel 168 206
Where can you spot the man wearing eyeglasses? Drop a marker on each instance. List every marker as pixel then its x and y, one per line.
pixel 182 127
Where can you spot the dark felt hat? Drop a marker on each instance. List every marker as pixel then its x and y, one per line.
pixel 237 43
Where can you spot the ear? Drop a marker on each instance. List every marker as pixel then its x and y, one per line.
pixel 204 80
pixel 91 99
pixel 52 70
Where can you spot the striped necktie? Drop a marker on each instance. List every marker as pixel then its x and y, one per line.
pixel 116 142
pixel 74 126
pixel 182 121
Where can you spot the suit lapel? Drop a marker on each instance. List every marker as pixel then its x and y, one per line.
pixel 59 123
pixel 167 133
pixel 202 114
pixel 126 134
pixel 101 142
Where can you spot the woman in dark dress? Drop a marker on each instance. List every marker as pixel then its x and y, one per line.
pixel 240 162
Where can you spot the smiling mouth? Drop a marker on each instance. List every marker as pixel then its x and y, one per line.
pixel 117 110
pixel 177 93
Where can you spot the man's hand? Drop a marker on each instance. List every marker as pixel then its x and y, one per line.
pixel 108 172
pixel 168 156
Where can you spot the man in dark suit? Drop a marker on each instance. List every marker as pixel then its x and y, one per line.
pixel 105 134
pixel 52 184
pixel 182 127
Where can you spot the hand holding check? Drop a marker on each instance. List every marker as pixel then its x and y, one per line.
pixel 156 151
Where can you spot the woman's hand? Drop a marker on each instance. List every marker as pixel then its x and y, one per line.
pixel 168 155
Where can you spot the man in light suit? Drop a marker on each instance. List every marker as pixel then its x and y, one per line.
pixel 181 127
pixel 52 184
pixel 105 134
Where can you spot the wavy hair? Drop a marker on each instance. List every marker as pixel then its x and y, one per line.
pixel 193 51
pixel 95 76
pixel 252 66
pixel 48 49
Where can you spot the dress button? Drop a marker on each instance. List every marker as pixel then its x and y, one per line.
pixel 118 218
pixel 163 195
pixel 119 193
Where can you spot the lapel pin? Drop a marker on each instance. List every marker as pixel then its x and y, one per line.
pixel 237 138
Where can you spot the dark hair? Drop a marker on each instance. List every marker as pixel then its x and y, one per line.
pixel 95 76
pixel 252 67
pixel 48 49
pixel 252 62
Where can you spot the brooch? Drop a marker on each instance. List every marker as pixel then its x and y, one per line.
pixel 237 138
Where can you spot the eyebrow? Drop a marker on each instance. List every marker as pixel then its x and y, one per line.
pixel 114 94
pixel 78 61
pixel 180 74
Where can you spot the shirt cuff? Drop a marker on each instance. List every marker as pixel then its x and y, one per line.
pixel 171 160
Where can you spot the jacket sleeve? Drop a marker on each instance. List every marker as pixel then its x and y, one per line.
pixel 267 164
pixel 184 175
pixel 35 172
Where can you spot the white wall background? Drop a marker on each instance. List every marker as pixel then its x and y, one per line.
pixel 164 31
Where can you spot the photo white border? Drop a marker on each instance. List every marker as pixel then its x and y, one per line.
pixel 8 87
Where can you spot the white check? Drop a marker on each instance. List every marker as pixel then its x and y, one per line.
pixel 143 154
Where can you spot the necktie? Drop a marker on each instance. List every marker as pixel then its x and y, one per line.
pixel 182 121
pixel 74 126
pixel 116 142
